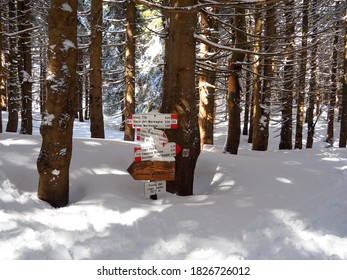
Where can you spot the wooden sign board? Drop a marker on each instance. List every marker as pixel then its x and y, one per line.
pixel 165 121
pixel 153 170
pixel 154 187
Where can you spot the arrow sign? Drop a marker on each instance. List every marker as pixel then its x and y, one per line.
pixel 148 151
pixel 154 187
pixel 165 121
pixel 151 135
pixel 153 170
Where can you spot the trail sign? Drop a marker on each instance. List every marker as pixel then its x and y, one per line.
pixel 165 121
pixel 154 159
pixel 153 170
pixel 155 187
pixel 151 135
pixel 149 151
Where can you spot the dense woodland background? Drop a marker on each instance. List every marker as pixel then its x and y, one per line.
pixel 245 62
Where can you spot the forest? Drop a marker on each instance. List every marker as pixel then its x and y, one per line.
pixel 245 63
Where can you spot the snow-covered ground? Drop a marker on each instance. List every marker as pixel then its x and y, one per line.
pixel 256 205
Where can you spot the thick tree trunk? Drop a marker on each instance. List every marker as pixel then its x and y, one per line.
pixel 96 111
pixel 53 162
pixel 129 133
pixel 179 96
pixel 24 13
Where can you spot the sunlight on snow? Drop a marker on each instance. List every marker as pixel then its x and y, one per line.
pixel 92 143
pixel 108 170
pixel 309 240
pixel 284 180
pixel 11 141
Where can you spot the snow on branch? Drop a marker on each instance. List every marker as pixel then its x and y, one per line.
pixel 197 7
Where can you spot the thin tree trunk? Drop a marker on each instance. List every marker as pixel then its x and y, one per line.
pixel 25 65
pixel 302 78
pixel 13 92
pixel 258 125
pixel 233 98
pixel 333 90
pixel 343 123
pixel 248 101
pixel 53 162
pixel 179 95
pixel 207 79
pixel 288 77
pixel 313 83
pixel 2 78
pixel 129 133
pixel 96 111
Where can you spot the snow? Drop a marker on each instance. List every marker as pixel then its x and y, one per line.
pixel 254 205
pixel 66 7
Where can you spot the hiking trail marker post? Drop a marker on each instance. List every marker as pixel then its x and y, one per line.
pixel 154 159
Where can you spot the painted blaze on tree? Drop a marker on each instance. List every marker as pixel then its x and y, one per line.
pixel 53 162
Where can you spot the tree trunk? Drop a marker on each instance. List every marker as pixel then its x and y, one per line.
pixel 129 133
pixel 53 162
pixel 43 71
pixel 207 80
pixel 24 46
pixel 343 124
pixel 302 79
pixel 233 98
pixel 313 82
pixel 2 77
pixel 258 121
pixel 13 93
pixel 248 99
pixel 96 111
pixel 179 96
pixel 333 89
pixel 288 77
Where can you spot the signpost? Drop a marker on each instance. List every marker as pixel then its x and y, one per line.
pixel 154 159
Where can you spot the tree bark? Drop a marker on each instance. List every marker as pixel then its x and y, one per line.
pixel 53 162
pixel 2 77
pixel 129 132
pixel 302 79
pixel 313 82
pixel 207 80
pixel 25 66
pixel 234 89
pixel 343 123
pixel 179 95
pixel 13 93
pixel 95 95
pixel 288 77
pixel 333 91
